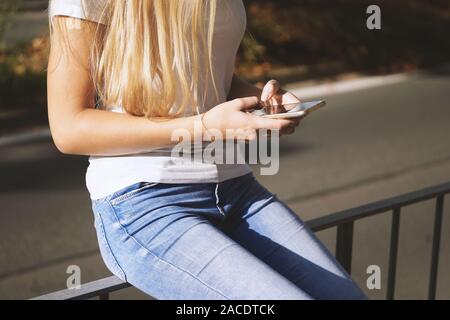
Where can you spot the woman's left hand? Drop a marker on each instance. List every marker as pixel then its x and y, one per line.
pixel 273 94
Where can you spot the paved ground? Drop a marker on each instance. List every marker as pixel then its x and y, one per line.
pixel 367 145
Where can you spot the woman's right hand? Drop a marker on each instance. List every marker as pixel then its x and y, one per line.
pixel 230 121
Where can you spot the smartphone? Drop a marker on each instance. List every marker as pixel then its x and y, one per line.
pixel 291 110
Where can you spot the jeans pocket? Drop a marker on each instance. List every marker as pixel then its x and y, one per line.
pixel 130 192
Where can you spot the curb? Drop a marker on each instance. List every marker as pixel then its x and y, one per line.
pixel 25 137
pixel 344 86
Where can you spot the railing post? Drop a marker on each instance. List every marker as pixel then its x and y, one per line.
pixel 436 245
pixel 393 249
pixel 344 245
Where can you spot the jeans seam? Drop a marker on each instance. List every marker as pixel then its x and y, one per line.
pixel 165 261
pixel 109 248
pixel 131 194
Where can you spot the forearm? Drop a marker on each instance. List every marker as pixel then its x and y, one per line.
pixel 241 88
pixel 102 133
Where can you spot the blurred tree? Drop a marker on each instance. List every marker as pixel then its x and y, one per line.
pixel 321 32
pixel 7 11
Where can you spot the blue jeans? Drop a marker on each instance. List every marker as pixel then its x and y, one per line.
pixel 231 240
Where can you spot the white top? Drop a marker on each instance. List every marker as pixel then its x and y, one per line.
pixel 106 175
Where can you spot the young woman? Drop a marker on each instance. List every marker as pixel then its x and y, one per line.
pixel 122 77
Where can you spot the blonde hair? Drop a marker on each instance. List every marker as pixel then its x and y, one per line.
pixel 152 51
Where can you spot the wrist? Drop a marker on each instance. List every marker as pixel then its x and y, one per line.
pixel 206 134
pixel 199 131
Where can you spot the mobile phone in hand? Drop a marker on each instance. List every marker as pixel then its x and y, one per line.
pixel 291 110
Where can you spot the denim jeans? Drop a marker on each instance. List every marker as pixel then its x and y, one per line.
pixel 231 240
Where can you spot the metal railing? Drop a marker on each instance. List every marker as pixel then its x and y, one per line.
pixel 344 222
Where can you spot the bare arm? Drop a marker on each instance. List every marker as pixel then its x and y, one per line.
pixel 78 128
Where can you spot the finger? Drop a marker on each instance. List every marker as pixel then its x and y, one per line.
pixel 295 121
pixel 294 97
pixel 271 124
pixel 270 89
pixel 278 99
pixel 246 103
pixel 292 122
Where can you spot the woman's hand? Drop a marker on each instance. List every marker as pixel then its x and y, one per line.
pixel 230 121
pixel 272 94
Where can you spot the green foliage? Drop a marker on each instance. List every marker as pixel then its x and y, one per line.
pixel 20 89
pixel 23 85
pixel 7 13
pixel 252 51
pixel 414 34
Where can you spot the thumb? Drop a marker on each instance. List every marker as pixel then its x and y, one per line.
pixel 270 89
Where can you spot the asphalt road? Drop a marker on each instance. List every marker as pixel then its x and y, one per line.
pixel 365 146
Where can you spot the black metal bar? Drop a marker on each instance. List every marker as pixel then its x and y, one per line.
pixel 393 249
pixel 371 209
pixel 436 245
pixel 344 245
pixel 104 296
pixel 88 290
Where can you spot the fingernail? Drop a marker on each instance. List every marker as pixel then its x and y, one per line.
pixel 264 96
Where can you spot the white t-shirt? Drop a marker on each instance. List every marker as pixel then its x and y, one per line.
pixel 106 175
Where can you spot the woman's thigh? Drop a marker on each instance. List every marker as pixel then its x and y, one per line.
pixel 276 235
pixel 176 251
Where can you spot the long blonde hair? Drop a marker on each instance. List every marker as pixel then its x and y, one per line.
pixel 151 51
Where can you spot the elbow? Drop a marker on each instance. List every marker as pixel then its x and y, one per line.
pixel 63 142
pixel 65 138
pixel 66 135
pixel 69 135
